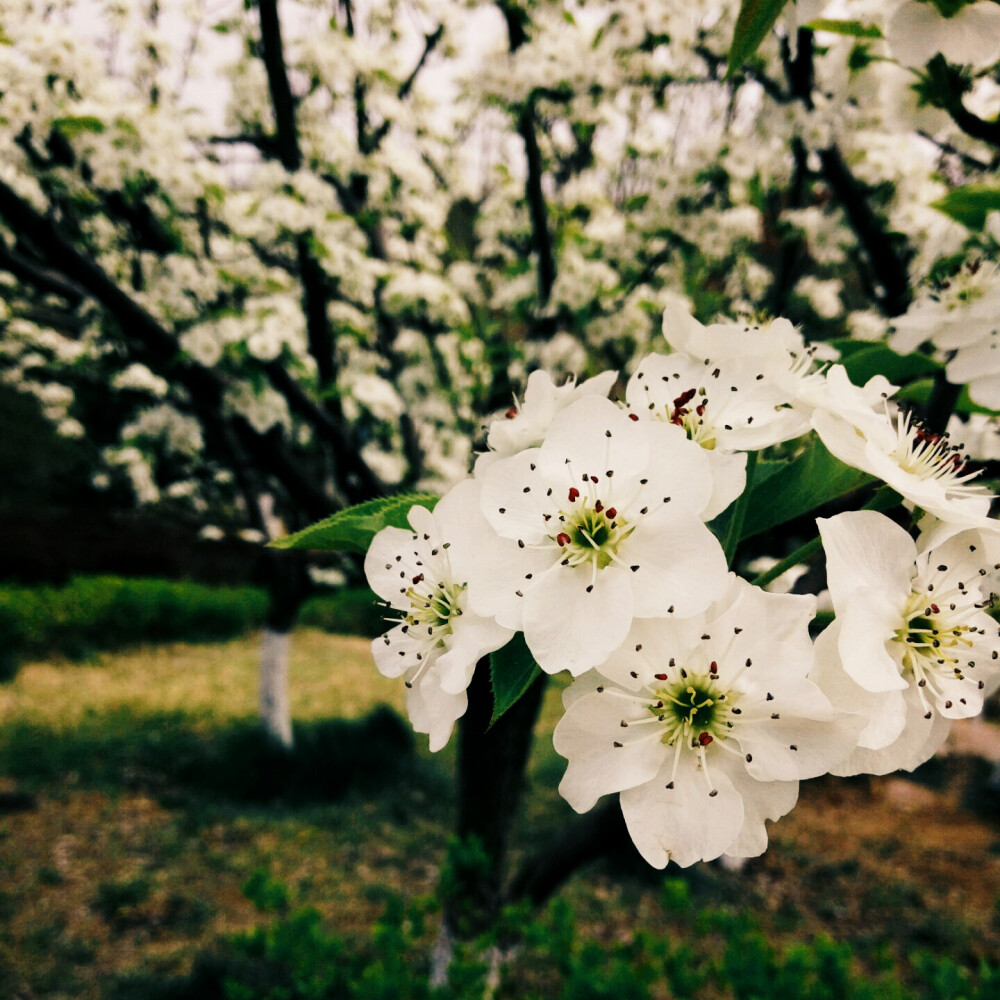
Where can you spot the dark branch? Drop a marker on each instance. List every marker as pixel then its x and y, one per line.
pixel 888 252
pixel 430 43
pixel 159 348
pixel 536 204
pixel 597 834
pixel 282 100
pixel 42 278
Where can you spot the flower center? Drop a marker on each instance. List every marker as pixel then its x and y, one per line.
pixel 691 710
pixel 935 641
pixel 691 419
pixel 433 612
pixel 590 533
pixel 928 456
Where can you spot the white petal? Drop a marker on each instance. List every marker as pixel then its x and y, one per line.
pixel 513 498
pixel 684 823
pixel 864 549
pixel 570 628
pixel 762 800
pixel 681 563
pixel 472 637
pixel 594 435
pixel 919 740
pixel 883 714
pixel 390 565
pixel 434 711
pixel 868 626
pixel 587 736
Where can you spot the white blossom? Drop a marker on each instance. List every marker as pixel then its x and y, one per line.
pixel 424 574
pixel 704 726
pixel 912 646
pixel 599 525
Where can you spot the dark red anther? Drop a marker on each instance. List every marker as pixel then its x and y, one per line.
pixel 563 539
pixel 511 413
pixel 633 416
pixel 418 578
pixel 684 398
pixel 700 409
pixel 704 739
pixel 598 507
pixel 713 667
pixel 611 514
pixel 935 609
pixel 573 493
pixel 660 677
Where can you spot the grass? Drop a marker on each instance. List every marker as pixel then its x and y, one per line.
pixel 146 801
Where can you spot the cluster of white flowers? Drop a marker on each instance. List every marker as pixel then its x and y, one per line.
pixel 697 696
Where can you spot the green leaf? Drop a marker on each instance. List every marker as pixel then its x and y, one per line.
pixel 919 392
pixel 76 125
pixel 970 205
pixel 512 671
pixel 855 29
pixel 755 20
pixel 352 529
pixel 802 485
pixel 877 359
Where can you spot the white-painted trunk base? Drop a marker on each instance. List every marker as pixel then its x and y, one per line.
pixel 275 707
pixel 444 951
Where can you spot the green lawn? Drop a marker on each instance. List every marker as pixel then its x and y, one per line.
pixel 139 801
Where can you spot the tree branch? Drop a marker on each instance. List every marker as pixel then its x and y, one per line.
pixel 42 278
pixel 888 253
pixel 205 387
pixel 282 101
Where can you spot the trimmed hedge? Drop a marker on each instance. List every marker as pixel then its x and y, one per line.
pixel 94 613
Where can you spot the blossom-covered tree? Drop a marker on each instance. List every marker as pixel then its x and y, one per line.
pixel 402 221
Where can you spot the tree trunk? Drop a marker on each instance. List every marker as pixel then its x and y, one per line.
pixel 288 586
pixel 275 706
pixel 491 772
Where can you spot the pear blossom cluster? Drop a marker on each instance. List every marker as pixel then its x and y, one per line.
pixel 591 526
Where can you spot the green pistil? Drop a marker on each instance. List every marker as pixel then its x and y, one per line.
pixel 928 642
pixel 593 538
pixel 690 708
pixel 433 612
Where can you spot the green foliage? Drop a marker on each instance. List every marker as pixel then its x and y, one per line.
pixel 512 671
pixel 919 392
pixel 74 125
pixel 352 529
pixel 350 611
pixel 167 753
pixel 868 360
pixel 756 18
pixel 783 491
pixel 970 205
pixel 107 612
pixel 853 29
pixel 92 614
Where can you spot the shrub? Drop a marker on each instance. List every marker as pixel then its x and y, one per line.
pixel 95 613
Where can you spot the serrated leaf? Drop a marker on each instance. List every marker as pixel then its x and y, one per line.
pixel 805 483
pixel 877 359
pixel 77 124
pixel 352 529
pixel 756 18
pixel 512 671
pixel 970 205
pixel 854 29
